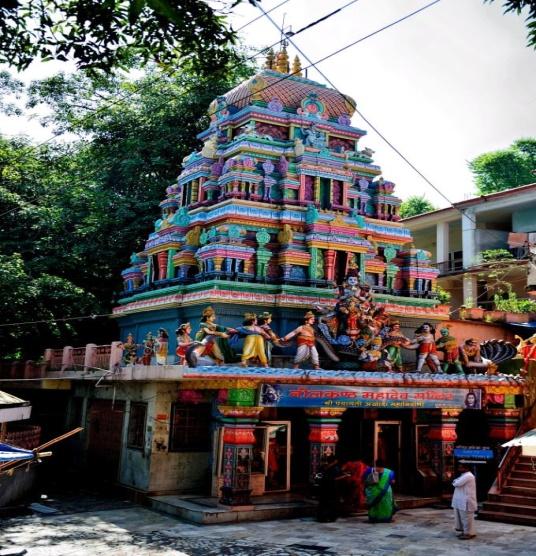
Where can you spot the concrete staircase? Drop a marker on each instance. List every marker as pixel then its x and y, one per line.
pixel 516 501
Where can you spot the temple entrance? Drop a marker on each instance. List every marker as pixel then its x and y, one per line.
pixel 387 437
pixel 271 455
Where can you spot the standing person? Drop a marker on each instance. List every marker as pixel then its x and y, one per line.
pixel 353 495
pixel 464 502
pixel 305 339
pixel 379 494
pixel 328 498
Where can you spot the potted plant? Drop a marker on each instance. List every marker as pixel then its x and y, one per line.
pixel 469 311
pixel 515 309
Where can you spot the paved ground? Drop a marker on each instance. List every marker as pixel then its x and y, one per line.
pixel 123 529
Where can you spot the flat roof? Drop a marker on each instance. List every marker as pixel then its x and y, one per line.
pixel 456 207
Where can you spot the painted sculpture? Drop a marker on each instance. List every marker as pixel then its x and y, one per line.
pixel 148 349
pixel 161 347
pixel 527 350
pixel 184 341
pixel 306 342
pixel 448 346
pixel 279 192
pixel 426 348
pixel 472 359
pixel 130 350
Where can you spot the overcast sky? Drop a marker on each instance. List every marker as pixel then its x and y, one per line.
pixel 444 86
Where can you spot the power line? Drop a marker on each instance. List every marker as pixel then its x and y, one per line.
pixel 56 320
pixel 261 16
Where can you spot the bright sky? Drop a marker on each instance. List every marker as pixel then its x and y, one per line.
pixel 446 85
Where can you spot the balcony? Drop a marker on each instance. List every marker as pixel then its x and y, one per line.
pixel 453 266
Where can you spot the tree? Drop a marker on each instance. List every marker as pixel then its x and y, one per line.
pixel 75 212
pixel 105 34
pixel 415 205
pixel 518 6
pixel 505 169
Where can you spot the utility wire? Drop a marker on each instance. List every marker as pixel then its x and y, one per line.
pixel 149 83
pixel 360 113
pixel 262 15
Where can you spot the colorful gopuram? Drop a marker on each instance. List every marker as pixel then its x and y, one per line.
pixel 271 212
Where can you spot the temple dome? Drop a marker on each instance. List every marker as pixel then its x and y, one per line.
pixel 291 91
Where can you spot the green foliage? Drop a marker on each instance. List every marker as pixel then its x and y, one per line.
pixel 505 169
pixel 443 296
pixel 104 34
pixel 468 303
pixel 24 298
pixel 513 304
pixel 73 213
pixel 518 6
pixel 496 255
pixel 415 205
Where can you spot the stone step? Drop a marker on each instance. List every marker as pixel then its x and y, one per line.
pixel 190 509
pixel 522 474
pixel 516 499
pixel 519 490
pixel 503 507
pixel 519 466
pixel 503 517
pixel 517 482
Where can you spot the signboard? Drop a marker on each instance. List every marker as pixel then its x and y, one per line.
pixel 473 452
pixel 293 395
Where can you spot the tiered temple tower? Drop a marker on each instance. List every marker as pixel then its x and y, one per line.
pixel 272 212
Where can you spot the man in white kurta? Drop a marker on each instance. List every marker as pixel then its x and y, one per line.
pixel 464 502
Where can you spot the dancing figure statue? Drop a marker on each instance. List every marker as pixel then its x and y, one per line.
pixel 215 338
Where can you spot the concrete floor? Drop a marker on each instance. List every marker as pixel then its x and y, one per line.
pixel 125 529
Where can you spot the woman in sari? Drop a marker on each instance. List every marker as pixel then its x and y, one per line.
pixel 379 494
pixel 353 496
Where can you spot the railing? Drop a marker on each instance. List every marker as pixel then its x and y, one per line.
pixel 102 357
pixel 449 267
pixel 78 357
pixel 56 360
pixel 507 462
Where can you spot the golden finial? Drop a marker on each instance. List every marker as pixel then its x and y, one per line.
pixel 281 61
pixel 270 57
pixel 296 67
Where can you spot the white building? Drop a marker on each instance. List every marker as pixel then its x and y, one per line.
pixel 457 235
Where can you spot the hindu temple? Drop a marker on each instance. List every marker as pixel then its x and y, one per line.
pixel 282 233
pixel 269 215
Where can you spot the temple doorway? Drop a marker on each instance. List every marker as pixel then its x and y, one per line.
pixel 271 454
pixel 387 438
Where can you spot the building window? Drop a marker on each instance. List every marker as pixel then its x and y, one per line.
pixel 190 428
pixel 136 425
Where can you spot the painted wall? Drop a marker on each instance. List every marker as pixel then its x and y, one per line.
pixel 524 220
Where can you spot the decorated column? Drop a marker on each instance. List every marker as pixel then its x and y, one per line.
pixel 442 438
pixel 238 441
pixel 329 264
pixel 323 437
pixel 162 258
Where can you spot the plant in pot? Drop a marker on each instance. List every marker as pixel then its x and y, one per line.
pixel 516 310
pixel 469 311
